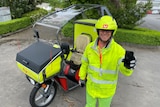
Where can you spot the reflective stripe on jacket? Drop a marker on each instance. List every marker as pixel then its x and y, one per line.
pixel 102 77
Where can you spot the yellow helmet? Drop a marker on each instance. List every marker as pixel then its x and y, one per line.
pixel 106 23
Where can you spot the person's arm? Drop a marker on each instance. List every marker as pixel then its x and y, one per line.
pixel 84 65
pixel 125 71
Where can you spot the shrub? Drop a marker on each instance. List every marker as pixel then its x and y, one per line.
pixel 138 36
pixel 128 13
pixel 20 23
pixel 19 7
pixel 13 25
pixel 36 14
pixel 67 30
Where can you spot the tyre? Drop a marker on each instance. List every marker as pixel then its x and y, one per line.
pixel 43 95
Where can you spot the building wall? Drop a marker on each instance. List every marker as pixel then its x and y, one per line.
pixel 5 14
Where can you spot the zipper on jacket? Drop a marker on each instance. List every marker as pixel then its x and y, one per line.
pixel 100 58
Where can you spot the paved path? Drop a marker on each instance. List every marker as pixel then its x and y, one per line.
pixel 152 21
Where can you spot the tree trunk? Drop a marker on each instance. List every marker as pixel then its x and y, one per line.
pixel 116 3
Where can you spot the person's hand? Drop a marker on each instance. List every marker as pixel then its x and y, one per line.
pixel 129 60
pixel 82 83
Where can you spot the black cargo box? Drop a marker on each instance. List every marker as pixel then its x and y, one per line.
pixel 37 55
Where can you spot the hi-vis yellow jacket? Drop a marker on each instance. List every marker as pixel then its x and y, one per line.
pixel 102 76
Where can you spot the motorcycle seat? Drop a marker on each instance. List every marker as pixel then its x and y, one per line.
pixel 81 42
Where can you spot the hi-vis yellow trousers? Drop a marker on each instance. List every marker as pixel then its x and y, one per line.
pixel 102 102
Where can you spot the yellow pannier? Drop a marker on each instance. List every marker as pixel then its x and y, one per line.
pixel 39 61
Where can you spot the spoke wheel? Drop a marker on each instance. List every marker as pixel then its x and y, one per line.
pixel 43 96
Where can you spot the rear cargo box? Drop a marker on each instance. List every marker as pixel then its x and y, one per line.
pixel 39 61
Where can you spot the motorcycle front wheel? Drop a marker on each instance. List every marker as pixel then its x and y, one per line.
pixel 43 95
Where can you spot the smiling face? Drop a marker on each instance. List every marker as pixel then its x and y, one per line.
pixel 105 35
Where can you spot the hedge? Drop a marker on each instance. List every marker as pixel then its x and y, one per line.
pixel 36 14
pixel 138 36
pixel 20 23
pixel 13 25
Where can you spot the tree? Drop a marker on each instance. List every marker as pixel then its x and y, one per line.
pixel 54 3
pixel 126 12
pixel 116 3
pixel 19 7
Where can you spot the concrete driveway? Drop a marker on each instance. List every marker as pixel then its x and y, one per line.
pixel 151 21
pixel 139 90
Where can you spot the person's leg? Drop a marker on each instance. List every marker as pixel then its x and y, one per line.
pixel 90 101
pixel 104 102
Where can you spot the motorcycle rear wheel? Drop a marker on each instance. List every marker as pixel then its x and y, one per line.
pixel 43 96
